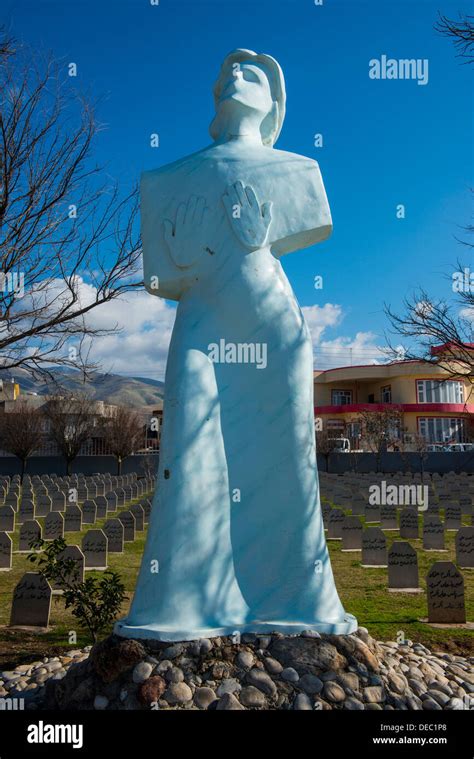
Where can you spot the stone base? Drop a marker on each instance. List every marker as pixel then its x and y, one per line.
pixel 153 632
pixel 405 590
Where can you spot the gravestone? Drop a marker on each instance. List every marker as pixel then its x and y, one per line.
pixel 325 510
pixel 6 548
pixel 372 512
pixel 374 548
pixel 452 517
pixel 465 547
pixel 120 493
pixel 445 588
pixel 128 521
pixel 112 501
pixel 146 506
pixel 82 492
pixel 7 519
pixel 403 568
pixel 30 531
pixel 89 512
pixel 114 531
pixel 72 518
pixel 352 534
pixel 388 518
pixel 94 548
pixel 54 526
pixel 433 533
pixel 26 511
pixel 58 501
pixel 139 515
pixel 358 506
pixel 31 601
pixel 335 521
pixel 465 501
pixel 101 503
pixel 77 573
pixel 43 506
pixel 409 523
pixel 11 499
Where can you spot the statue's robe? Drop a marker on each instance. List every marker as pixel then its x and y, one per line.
pixel 236 525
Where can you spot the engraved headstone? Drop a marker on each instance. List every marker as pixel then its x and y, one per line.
pixel 139 515
pixel 77 572
pixel 114 530
pixel 7 519
pixel 388 518
pixel 465 547
pixel 43 505
pixel 26 511
pixel 402 567
pixel 6 547
pixel 72 518
pixel 452 519
pixel 112 501
pixel 54 526
pixel 335 521
pixel 30 532
pixel 433 533
pixel 120 493
pixel 101 503
pixel 89 512
pixel 128 521
pixel 94 548
pixel 146 506
pixel 58 501
pixel 31 601
pixel 409 523
pixel 445 588
pixel 352 534
pixel 372 512
pixel 374 548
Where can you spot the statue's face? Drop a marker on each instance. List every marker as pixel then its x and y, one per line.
pixel 246 85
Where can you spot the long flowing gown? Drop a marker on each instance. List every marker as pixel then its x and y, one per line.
pixel 236 529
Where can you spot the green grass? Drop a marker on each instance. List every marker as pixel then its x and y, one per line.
pixel 363 592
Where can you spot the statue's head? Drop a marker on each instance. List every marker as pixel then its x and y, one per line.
pixel 250 82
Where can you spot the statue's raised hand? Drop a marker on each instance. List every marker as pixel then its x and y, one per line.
pixel 250 222
pixel 185 238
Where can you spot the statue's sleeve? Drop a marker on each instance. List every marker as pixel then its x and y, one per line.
pixel 301 214
pixel 157 202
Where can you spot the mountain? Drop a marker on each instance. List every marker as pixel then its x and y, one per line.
pixel 135 392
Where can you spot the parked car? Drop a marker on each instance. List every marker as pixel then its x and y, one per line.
pixel 341 444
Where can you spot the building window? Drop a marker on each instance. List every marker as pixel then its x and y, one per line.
pixel 386 394
pixel 335 425
pixel 341 397
pixel 441 429
pixel 432 391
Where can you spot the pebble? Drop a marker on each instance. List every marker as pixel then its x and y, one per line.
pixel 142 672
pixel 230 685
pixel 252 697
pixel 174 675
pixel 290 675
pixel 263 681
pixel 178 693
pixel 312 684
pixel 245 659
pixel 353 704
pixel 302 702
pixel 431 705
pixel 272 666
pixel 333 692
pixel 203 697
pixel 228 702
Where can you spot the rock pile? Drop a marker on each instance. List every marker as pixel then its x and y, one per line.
pixel 303 672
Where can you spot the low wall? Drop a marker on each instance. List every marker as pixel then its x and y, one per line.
pixel 82 465
pixel 397 462
pixel 338 463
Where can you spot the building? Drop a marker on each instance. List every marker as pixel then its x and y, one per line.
pixel 435 403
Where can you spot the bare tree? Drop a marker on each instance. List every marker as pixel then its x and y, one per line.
pixel 21 432
pixel 325 445
pixel 381 430
pixel 72 421
pixel 122 433
pixel 461 31
pixel 68 237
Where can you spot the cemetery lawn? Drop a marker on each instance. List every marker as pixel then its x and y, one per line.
pixel 363 592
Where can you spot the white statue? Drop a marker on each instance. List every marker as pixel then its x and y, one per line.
pixel 236 541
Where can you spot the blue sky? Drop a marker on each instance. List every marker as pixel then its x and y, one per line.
pixel 386 142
